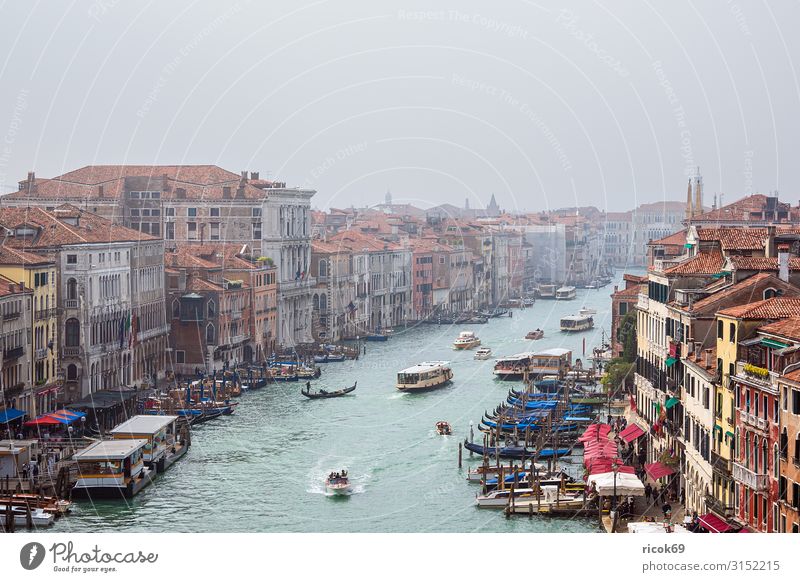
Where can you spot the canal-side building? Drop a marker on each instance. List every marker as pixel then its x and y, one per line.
pixel 16 317
pixel 98 326
pixel 789 447
pixel 38 273
pixel 623 302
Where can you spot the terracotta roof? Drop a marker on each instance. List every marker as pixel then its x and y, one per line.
pixel 199 182
pixel 700 359
pixel 774 308
pixel 735 238
pixel 765 279
pixel 55 228
pixel 12 256
pixel 9 287
pixel 793 376
pixel 762 263
pixel 358 241
pixel 739 210
pixel 200 284
pixel 676 239
pixel 788 328
pixel 632 291
pixel 704 263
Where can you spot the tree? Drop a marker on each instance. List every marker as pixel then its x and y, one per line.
pixel 626 335
pixel 619 375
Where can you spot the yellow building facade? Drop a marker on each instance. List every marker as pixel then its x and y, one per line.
pixel 40 274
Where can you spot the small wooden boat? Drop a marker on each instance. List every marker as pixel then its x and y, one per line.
pixel 306 372
pixel 325 394
pixel 483 354
pixel 466 340
pixel 443 428
pixel 338 483
pixel 536 334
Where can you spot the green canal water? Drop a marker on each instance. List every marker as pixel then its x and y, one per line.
pixel 262 469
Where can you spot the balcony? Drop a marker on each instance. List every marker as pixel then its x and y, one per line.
pixel 13 353
pixel 45 314
pixel 71 352
pixel 238 339
pixel 11 316
pixel 753 420
pixel 41 353
pixel 756 376
pixel 643 303
pixel 70 304
pixel 715 505
pixel 755 481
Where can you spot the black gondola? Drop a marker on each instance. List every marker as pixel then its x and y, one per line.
pixel 323 394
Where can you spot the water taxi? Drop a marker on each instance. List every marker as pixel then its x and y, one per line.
pixel 443 428
pixel 39 517
pixel 536 334
pixel 587 311
pixel 550 500
pixel 164 444
pixel 577 323
pixel 483 354
pixel 424 376
pixel 338 483
pixel 555 361
pixel 466 340
pixel 566 293
pixel 111 469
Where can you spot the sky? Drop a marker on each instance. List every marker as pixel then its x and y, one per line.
pixel 609 104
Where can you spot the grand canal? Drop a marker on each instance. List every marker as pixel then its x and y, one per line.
pixel 262 469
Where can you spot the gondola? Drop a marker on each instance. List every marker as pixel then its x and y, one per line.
pixel 515 452
pixel 323 394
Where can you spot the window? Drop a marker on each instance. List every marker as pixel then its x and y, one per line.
pixel 180 357
pixel 72 289
pixel 191 212
pixel 155 228
pixel 72 333
pixel 623 308
pixel 72 259
pixel 210 334
pixel 145 212
pixel 719 329
pixel 169 212
pixel 795 401
pixel 215 231
pixel 256 231
pixel 732 331
pixel 212 308
pixel 192 230
pixel 169 231
pixel 256 213
pixel 215 212
pixel 72 372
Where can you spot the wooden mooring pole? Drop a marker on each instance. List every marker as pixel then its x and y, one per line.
pixel 460 453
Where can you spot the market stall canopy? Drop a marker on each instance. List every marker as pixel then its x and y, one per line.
pixel 713 523
pixel 104 399
pixel 9 414
pixel 658 470
pixel 631 433
pixel 627 484
pixel 595 432
pixel 604 465
pixel 65 416
pixel 45 420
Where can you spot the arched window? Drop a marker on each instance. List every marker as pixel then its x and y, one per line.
pixel 212 308
pixel 72 333
pixel 72 372
pixel 323 302
pixel 210 334
pixel 764 457
pixel 770 293
pixel 323 268
pixel 176 309
pixel 775 462
pixel 316 302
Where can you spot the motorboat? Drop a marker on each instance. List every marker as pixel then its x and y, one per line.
pixel 566 293
pixel 39 517
pixel 466 340
pixel 536 334
pixel 443 428
pixel 546 291
pixel 549 500
pixel 483 354
pixel 587 311
pixel 572 323
pixel 424 376
pixel 338 483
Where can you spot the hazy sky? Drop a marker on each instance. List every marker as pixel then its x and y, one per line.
pixel 605 103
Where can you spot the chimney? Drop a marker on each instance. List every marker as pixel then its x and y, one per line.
pixel 769 251
pixel 254 175
pixel 100 190
pixel 226 192
pixel 180 193
pixel 708 358
pixel 698 346
pixel 783 264
pixel 244 177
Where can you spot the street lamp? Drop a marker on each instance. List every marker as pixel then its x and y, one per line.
pixel 615 469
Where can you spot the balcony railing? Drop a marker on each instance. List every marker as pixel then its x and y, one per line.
pixel 45 314
pixel 13 353
pixel 755 481
pixel 70 303
pixel 11 316
pixel 715 505
pixel 71 352
pixel 753 420
pixel 41 353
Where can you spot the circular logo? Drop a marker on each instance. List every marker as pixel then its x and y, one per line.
pixel 31 555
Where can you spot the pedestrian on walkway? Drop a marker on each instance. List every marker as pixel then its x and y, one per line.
pixel 648 491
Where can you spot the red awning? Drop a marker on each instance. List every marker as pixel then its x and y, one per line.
pixel 631 432
pixel 593 430
pixel 713 524
pixel 42 420
pixel 658 470
pixel 595 466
